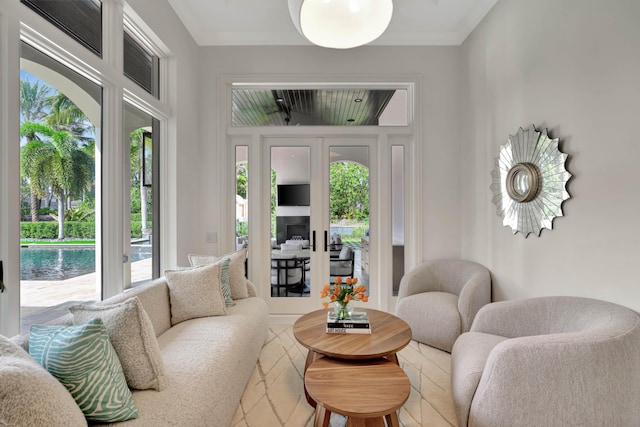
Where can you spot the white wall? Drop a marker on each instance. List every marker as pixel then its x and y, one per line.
pixel 439 69
pixel 571 66
pixel 183 128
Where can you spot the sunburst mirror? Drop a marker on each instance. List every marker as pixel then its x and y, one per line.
pixel 529 181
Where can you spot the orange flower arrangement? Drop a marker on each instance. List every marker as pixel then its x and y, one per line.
pixel 343 294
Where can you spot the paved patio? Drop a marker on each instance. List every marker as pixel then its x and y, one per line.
pixel 44 300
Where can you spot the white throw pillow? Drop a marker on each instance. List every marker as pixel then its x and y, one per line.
pixel 195 293
pixel 30 395
pixel 237 278
pixel 132 336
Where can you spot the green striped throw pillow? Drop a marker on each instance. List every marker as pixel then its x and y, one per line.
pixel 84 361
pixel 225 284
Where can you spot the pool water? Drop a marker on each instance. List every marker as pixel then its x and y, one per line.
pixel 60 263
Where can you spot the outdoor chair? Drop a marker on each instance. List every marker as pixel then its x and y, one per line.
pixel 287 272
pixel 343 265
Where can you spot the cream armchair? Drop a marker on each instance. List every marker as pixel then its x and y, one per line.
pixel 439 299
pixel 549 361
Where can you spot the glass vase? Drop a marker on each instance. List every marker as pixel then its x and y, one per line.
pixel 342 310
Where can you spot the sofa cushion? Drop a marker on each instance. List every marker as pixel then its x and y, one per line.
pixel 84 361
pixel 439 326
pixel 195 293
pixel 468 359
pixel 133 338
pixel 29 395
pixel 237 277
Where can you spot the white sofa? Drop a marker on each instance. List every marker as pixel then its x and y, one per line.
pixel 207 361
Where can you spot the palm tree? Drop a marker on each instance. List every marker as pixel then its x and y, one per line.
pixel 136 140
pixel 34 102
pixel 66 115
pixel 55 160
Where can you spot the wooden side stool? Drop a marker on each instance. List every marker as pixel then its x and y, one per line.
pixel 363 390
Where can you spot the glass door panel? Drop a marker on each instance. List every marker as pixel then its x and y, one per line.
pixel 60 117
pixel 290 240
pixel 397 214
pixel 142 252
pixel 319 195
pixel 349 209
pixel 242 197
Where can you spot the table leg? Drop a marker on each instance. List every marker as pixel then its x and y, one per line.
pixel 392 419
pixel 393 357
pixel 311 357
pixel 365 422
pixel 322 416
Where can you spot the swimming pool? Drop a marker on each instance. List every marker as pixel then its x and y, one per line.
pixel 60 263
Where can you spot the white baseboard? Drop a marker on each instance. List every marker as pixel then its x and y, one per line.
pixel 283 319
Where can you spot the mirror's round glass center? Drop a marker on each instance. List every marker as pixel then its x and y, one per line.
pixel 521 182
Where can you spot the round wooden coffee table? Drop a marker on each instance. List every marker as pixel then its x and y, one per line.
pixel 365 391
pixel 389 335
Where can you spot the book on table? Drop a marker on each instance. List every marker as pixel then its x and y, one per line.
pixel 358 323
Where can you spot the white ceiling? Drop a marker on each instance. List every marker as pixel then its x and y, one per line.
pixel 267 22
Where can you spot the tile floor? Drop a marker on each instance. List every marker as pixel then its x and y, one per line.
pixel 274 396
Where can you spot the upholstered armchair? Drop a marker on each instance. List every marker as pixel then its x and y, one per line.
pixel 439 299
pixel 548 361
pixel 343 265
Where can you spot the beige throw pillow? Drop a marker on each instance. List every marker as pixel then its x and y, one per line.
pixel 195 293
pixel 31 396
pixel 132 336
pixel 237 278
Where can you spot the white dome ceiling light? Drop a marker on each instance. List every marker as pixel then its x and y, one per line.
pixel 341 24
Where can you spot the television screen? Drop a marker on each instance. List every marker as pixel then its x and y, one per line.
pixel 293 195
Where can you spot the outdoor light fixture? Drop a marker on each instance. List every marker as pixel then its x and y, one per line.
pixel 341 24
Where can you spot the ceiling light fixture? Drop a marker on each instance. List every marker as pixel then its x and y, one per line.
pixel 341 24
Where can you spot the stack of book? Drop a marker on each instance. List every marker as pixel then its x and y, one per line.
pixel 358 323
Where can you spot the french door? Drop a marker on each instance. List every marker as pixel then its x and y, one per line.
pixel 316 198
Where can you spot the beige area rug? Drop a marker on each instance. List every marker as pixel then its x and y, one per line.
pixel 274 396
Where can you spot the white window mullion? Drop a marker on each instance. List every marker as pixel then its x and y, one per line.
pixel 9 174
pixel 109 171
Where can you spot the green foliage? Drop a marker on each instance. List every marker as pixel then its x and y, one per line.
pixel 49 230
pixel 85 211
pixel 38 230
pixel 33 100
pixel 356 234
pixel 81 230
pixel 138 217
pixel 136 203
pixel 136 229
pixel 241 180
pixel 242 228
pixel 349 192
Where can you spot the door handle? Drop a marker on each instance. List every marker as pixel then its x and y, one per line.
pixel 326 241
pixel 313 241
pixel 1 278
